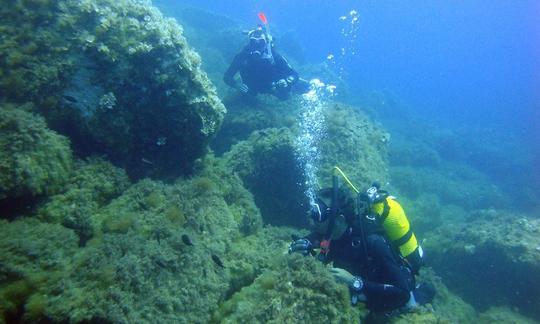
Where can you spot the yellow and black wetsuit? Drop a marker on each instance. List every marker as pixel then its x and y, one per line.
pixel 395 224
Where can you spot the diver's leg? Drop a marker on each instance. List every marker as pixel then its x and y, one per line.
pixel 416 259
pixel 393 285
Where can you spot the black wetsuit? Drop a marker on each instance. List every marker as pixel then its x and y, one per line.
pixel 259 73
pixel 387 280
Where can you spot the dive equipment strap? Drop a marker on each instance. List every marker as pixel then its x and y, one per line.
pixel 362 231
pixel 325 244
pixel 386 211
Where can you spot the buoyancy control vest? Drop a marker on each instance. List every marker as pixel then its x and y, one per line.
pixel 396 226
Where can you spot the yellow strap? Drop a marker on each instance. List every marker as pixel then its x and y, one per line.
pixel 336 168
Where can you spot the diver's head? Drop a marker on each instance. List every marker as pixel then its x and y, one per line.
pixel 373 194
pixel 321 212
pixel 257 39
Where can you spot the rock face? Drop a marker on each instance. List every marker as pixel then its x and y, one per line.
pixel 266 164
pixel 34 161
pixel 491 260
pixel 136 249
pixel 116 77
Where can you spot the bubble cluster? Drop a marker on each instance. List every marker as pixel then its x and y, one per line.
pixel 312 130
pixel 349 42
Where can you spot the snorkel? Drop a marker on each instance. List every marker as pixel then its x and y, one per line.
pixel 267 55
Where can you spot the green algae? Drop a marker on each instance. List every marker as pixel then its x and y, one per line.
pixel 35 160
pixel 114 76
pixel 34 257
pixel 94 183
pixel 354 143
pixel 267 165
pixel 490 246
pixel 500 315
pixel 297 289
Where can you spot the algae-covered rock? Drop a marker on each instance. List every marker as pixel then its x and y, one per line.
pixel 94 183
pixel 446 304
pixel 34 256
pixel 500 315
pixel 267 164
pixel 355 144
pixel 246 115
pixel 164 243
pixel 34 160
pixel 126 83
pixel 454 183
pixel 492 259
pixel 296 290
pixel 254 254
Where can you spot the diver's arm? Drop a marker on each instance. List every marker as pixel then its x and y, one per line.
pixel 285 68
pixel 228 77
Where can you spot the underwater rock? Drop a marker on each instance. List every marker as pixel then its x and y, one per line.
pixel 246 115
pixel 34 258
pixel 115 76
pixel 354 143
pixel 34 160
pixel 94 184
pixel 501 315
pixel 267 165
pixel 136 254
pixel 295 290
pixel 454 183
pixel 490 260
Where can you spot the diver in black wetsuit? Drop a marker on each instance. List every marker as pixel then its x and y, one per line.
pixel 263 70
pixel 362 255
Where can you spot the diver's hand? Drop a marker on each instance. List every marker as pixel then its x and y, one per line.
pixel 342 276
pixel 302 246
pixel 279 84
pixel 242 87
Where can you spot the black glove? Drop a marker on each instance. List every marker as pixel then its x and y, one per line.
pixel 302 246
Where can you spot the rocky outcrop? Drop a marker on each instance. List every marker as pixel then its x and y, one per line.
pixel 491 259
pixel 34 161
pixel 115 76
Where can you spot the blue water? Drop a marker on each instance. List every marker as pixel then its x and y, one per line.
pixel 453 64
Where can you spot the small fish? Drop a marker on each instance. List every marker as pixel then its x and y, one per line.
pixel 70 98
pixel 217 261
pixel 187 240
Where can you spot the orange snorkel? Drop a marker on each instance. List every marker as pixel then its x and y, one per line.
pixel 264 20
pixel 262 17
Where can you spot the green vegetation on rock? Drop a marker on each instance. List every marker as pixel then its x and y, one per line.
pixel 296 289
pixel 491 246
pixel 116 77
pixel 34 160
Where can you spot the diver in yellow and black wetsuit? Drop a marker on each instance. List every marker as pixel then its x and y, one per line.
pixel 376 256
pixel 391 216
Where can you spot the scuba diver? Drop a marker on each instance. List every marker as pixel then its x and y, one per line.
pixel 263 70
pixel 373 250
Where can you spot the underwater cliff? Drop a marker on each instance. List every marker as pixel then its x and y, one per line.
pixel 131 192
